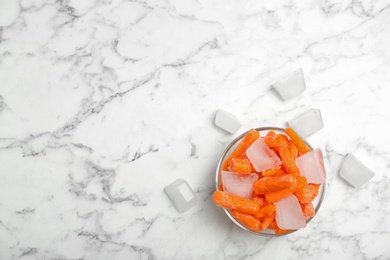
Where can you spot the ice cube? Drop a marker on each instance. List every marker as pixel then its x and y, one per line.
pixel 9 11
pixel 181 195
pixel 311 165
pixel 261 157
pixel 227 121
pixel 289 213
pixel 307 123
pixel 239 184
pixel 355 172
pixel 292 85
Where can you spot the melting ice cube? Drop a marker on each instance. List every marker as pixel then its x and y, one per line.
pixel 239 184
pixel 289 213
pixel 261 157
pixel 181 195
pixel 292 85
pixel 311 165
pixel 227 121
pixel 355 172
pixel 307 123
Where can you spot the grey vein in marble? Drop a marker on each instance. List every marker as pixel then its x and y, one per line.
pixel 104 103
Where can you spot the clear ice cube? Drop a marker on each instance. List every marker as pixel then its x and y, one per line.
pixel 181 195
pixel 227 121
pixel 239 184
pixel 261 157
pixel 289 213
pixel 355 172
pixel 292 85
pixel 307 123
pixel 311 165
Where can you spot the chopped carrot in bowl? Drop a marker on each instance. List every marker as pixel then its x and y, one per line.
pixel 269 188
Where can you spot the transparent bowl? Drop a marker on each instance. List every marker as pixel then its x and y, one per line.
pixel 230 148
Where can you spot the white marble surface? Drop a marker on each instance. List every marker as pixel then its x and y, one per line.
pixel 105 102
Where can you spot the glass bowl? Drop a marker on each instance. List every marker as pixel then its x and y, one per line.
pixel 230 148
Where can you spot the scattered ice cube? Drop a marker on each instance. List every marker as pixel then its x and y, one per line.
pixel 311 165
pixel 292 85
pixel 289 213
pixel 307 123
pixel 227 121
pixel 9 11
pixel 355 172
pixel 181 195
pixel 239 184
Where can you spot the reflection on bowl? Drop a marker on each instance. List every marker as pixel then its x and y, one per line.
pixel 218 181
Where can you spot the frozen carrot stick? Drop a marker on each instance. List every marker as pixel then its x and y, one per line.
pixel 281 231
pixel 247 220
pixel 302 182
pixel 231 201
pixel 244 157
pixel 271 172
pixel 280 173
pixel 308 209
pixel 293 149
pixel 280 142
pixel 265 211
pixel 253 195
pixel 288 162
pixel 241 166
pixel 273 197
pixel 246 141
pixel 269 139
pixel 273 225
pixel 275 183
pixel 301 145
pixel 267 221
pixel 261 200
pixel 317 187
pixel 306 194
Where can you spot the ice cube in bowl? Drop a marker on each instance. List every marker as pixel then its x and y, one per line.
pixel 219 172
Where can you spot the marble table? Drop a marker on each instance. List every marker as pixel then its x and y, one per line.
pixel 105 102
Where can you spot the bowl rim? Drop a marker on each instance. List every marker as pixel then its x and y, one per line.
pixel 218 170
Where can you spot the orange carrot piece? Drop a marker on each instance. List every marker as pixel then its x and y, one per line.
pixel 244 157
pixel 306 194
pixel 293 150
pixel 281 231
pixel 273 197
pixel 273 225
pixel 274 183
pixel 220 187
pixel 281 141
pixel 301 145
pixel 288 162
pixel 267 221
pixel 280 173
pixel 302 182
pixel 308 209
pixel 317 187
pixel 271 172
pixel 246 141
pixel 269 139
pixel 241 166
pixel 261 200
pixel 247 220
pixel 266 211
pixel 253 195
pixel 231 201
